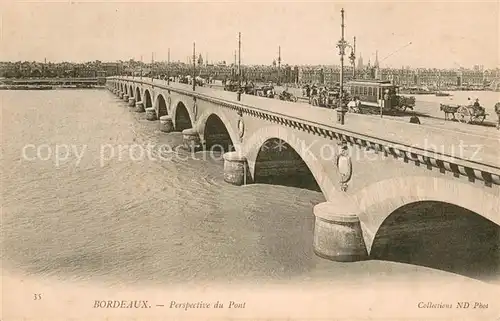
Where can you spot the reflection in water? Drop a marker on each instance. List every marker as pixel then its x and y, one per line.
pixel 441 236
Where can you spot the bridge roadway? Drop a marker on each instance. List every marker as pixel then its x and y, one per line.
pixel 482 151
pixel 429 112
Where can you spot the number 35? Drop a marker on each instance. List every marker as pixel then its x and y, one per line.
pixel 38 296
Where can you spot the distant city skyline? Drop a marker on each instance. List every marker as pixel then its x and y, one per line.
pixel 442 34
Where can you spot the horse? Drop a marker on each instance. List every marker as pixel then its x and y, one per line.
pixel 497 111
pixel 448 110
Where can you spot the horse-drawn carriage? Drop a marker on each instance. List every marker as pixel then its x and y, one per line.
pixel 231 85
pixel 466 113
pixel 287 96
pixel 265 91
pixel 328 98
pixel 249 88
pixel 403 102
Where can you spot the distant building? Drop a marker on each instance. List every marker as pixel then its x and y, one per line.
pixel 469 77
pixel 360 65
pixel 110 68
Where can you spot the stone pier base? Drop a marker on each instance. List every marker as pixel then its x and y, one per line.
pixel 150 114
pixel 125 97
pixel 139 107
pixel 337 231
pixel 121 95
pixel 191 139
pixel 236 170
pixel 131 102
pixel 166 124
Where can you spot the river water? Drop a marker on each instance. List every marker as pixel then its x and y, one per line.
pixel 144 220
pixel 487 99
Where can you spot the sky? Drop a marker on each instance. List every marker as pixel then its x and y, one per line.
pixel 442 34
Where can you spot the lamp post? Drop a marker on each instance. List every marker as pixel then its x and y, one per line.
pixel 352 58
pixel 168 67
pixel 239 67
pixel 152 67
pixel 194 66
pixel 342 45
pixel 279 65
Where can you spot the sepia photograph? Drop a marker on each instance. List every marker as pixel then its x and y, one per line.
pixel 249 160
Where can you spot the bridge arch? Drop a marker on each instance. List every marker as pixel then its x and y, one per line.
pixel 275 135
pixel 379 200
pixel 181 117
pixel 148 102
pixel 131 91
pixel 442 236
pixel 214 127
pixel 216 135
pixel 278 163
pixel 161 106
pixel 137 95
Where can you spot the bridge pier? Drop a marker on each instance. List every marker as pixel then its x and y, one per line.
pixel 236 170
pixel 121 95
pixel 131 102
pixel 166 124
pixel 125 97
pixel 150 114
pixel 139 107
pixel 337 231
pixel 191 139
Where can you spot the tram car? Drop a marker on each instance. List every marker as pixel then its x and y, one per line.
pixel 374 95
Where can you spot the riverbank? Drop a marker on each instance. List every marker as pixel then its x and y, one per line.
pixel 47 87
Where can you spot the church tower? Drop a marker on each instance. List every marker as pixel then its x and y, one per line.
pixel 376 67
pixel 360 63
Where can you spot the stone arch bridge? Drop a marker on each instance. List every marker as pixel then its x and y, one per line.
pixel 367 169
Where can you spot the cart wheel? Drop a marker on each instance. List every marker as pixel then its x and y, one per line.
pixel 464 115
pixel 403 108
pixel 481 118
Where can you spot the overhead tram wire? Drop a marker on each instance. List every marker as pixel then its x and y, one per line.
pixel 396 51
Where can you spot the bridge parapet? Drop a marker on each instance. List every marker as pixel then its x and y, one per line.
pixel 421 145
